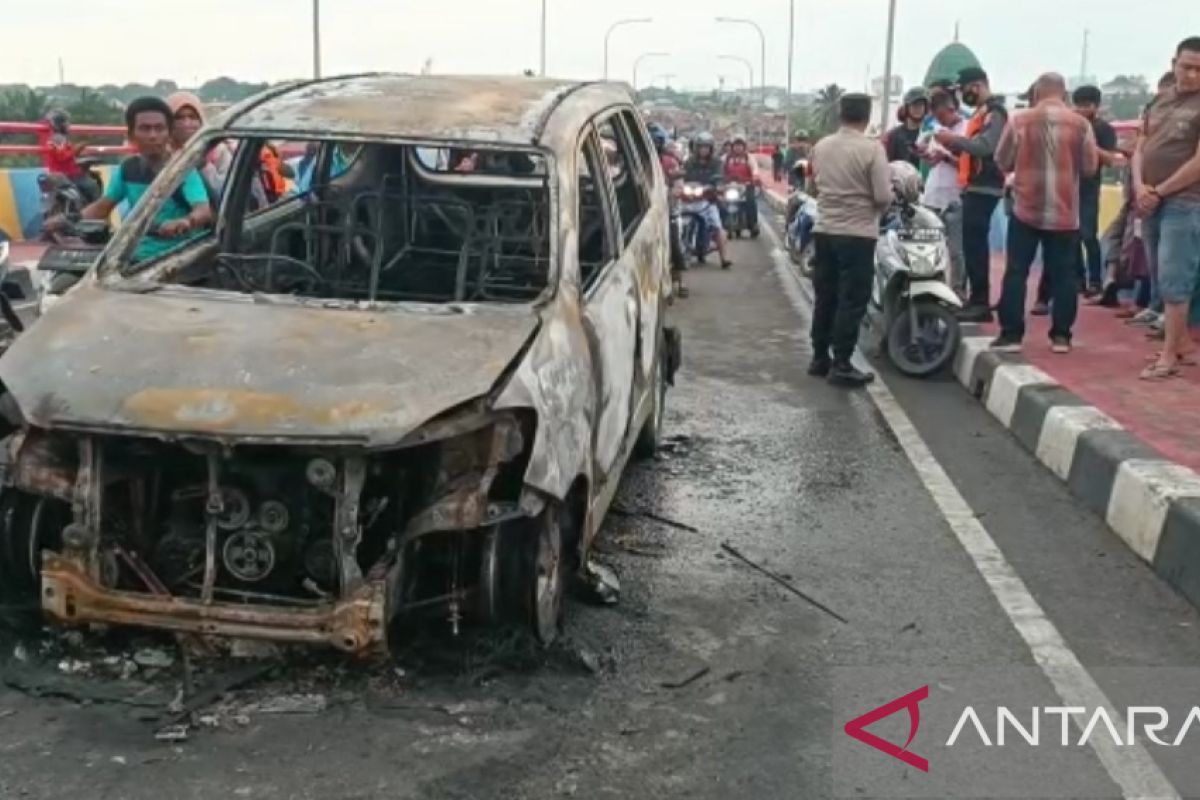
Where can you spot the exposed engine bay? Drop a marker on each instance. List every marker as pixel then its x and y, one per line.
pixel 196 537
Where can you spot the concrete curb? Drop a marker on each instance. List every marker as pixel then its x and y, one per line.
pixel 1151 503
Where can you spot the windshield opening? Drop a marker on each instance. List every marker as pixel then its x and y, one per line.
pixel 354 221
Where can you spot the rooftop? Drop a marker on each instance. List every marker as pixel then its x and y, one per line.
pixel 499 110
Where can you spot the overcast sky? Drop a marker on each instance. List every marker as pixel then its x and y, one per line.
pixel 119 41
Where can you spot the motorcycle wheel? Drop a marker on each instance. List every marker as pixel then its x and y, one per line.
pixel 933 347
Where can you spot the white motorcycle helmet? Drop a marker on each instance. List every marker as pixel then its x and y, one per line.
pixel 906 181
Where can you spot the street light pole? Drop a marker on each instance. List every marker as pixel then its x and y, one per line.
pixel 613 27
pixel 791 59
pixel 543 60
pixel 884 116
pixel 637 62
pixel 316 33
pixel 762 40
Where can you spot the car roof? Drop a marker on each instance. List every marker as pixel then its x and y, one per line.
pixel 486 110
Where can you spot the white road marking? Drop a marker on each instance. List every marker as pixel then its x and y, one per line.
pixel 1006 385
pixel 1131 768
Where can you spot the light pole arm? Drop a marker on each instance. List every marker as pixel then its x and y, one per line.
pixel 608 35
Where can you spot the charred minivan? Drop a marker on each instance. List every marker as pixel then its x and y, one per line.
pixel 405 385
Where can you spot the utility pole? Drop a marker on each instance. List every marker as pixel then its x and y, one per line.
pixel 543 70
pixel 787 109
pixel 61 74
pixel 1083 64
pixel 316 23
pixel 887 67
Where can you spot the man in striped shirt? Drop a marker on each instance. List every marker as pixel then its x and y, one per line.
pixel 1048 149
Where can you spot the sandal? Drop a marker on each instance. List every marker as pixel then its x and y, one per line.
pixel 1184 360
pixel 1159 372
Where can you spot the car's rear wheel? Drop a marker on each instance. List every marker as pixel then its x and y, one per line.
pixel 547 576
pixel 651 434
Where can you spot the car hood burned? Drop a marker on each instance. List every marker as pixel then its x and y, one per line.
pixel 234 368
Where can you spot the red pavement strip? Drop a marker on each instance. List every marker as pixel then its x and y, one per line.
pixel 1126 448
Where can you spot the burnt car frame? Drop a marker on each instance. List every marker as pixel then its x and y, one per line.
pixel 406 387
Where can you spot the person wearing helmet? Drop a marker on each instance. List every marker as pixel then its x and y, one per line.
pixel 797 154
pixel 61 157
pixel 739 168
pixel 901 142
pixel 673 171
pixel 704 167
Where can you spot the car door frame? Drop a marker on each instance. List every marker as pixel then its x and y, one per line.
pixel 614 316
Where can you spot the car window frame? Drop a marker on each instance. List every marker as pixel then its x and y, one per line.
pixel 589 148
pixel 613 116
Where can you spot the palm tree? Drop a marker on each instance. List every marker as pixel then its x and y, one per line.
pixel 826 115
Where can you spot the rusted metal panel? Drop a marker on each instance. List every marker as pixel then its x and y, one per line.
pixel 483 109
pixel 229 368
pixel 355 624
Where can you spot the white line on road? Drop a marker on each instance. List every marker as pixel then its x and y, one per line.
pixel 1131 768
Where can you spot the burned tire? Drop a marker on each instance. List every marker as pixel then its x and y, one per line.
pixel 547 577
pixel 651 434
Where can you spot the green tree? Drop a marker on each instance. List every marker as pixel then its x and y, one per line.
pixel 825 112
pixel 92 108
pixel 23 105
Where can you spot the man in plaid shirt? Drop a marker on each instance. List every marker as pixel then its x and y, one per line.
pixel 1048 149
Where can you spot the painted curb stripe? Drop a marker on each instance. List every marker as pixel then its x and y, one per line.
pixel 1006 384
pixel 1141 496
pixel 1060 434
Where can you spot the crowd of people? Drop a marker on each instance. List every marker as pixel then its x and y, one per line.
pixel 159 129
pixel 1044 164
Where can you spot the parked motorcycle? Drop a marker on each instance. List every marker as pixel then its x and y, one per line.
pixel 799 235
pixel 63 197
pixel 76 247
pixel 912 308
pixel 699 238
pixel 738 214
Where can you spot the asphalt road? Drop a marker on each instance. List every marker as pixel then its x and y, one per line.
pixel 709 680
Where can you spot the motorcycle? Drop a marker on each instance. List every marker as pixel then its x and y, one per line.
pixel 738 216
pixel 63 197
pixel 912 308
pixel 698 239
pixel 799 235
pixel 76 247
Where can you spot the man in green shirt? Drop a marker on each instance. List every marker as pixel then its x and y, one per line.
pixel 148 120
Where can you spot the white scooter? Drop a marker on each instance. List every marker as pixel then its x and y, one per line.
pixel 912 307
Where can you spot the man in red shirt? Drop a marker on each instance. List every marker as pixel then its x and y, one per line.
pixel 739 168
pixel 1048 149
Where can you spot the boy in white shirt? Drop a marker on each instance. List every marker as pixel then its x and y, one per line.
pixel 942 191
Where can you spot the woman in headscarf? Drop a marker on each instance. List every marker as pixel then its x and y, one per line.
pixel 188 119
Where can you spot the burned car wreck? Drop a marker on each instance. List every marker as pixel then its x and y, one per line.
pixel 407 387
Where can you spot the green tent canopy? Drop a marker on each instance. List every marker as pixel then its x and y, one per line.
pixel 947 64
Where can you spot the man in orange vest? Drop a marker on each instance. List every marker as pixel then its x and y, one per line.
pixel 982 182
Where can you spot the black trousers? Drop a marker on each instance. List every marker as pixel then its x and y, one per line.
pixel 1060 257
pixel 843 267
pixel 1089 268
pixel 977 252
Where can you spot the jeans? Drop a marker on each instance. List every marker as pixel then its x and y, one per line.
pixel 1091 265
pixel 976 228
pixel 843 267
pixel 952 218
pixel 1173 244
pixel 1060 256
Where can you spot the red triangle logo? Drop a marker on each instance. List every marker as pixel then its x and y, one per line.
pixel 856 728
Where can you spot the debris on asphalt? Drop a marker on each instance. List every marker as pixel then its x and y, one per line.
pixel 81 689
pixel 119 760
pixel 73 666
pixel 153 658
pixel 291 704
pixel 600 583
pixel 733 551
pixel 7 712
pixel 670 523
pixel 219 686
pixel 172 733
pixel 687 681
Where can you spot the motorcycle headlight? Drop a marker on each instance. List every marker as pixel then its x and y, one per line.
pixel 732 195
pixel 924 261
